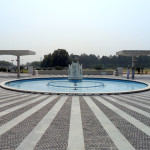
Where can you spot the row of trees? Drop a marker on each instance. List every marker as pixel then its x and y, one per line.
pixel 61 58
pixel 4 63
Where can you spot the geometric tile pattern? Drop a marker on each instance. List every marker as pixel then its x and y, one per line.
pixel 52 122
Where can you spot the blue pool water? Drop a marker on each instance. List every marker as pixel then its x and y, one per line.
pixel 87 85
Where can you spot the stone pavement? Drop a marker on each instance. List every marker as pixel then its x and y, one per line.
pixel 59 122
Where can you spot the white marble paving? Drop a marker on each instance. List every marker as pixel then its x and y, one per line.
pixel 129 106
pixel 139 98
pixel 34 136
pixel 16 101
pixel 133 102
pixel 4 99
pixel 4 128
pixel 127 117
pixel 119 140
pixel 76 139
pixel 9 95
pixel 9 110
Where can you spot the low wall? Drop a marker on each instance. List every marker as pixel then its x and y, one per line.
pixel 98 72
pixel 65 72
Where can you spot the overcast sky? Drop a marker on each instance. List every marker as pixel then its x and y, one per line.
pixel 100 27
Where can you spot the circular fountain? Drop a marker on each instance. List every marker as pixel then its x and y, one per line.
pixel 76 84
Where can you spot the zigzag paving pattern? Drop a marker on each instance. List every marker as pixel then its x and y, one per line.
pixel 55 122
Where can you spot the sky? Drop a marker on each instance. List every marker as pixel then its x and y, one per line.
pixel 100 27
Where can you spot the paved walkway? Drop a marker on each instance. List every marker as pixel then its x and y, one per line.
pixel 54 122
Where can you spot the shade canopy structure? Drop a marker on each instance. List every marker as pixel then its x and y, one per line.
pixel 17 53
pixel 133 54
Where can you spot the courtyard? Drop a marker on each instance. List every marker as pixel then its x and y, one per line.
pixel 60 122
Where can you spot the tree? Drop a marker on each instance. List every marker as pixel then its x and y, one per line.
pixel 47 61
pixel 60 58
pixel 35 64
pixel 83 59
pixel 98 67
pixel 5 63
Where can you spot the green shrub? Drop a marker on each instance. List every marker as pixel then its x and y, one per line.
pixel 59 68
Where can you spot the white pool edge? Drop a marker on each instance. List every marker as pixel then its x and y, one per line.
pixel 3 85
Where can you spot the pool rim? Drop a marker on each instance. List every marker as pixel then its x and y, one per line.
pixel 3 85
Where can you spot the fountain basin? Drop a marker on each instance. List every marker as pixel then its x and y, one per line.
pixel 86 86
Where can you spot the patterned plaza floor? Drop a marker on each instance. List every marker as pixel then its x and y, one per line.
pixel 55 122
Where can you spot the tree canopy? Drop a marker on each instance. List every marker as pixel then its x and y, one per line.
pixel 59 57
pixel 34 64
pixel 47 61
pixel 5 63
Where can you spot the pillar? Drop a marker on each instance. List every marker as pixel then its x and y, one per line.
pixel 18 66
pixel 133 66
pixel 133 61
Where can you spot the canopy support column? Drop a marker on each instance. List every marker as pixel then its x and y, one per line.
pixel 18 66
pixel 133 61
